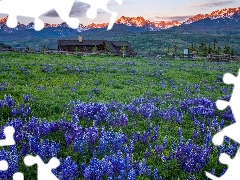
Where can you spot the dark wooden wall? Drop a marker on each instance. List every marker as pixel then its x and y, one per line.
pixel 80 48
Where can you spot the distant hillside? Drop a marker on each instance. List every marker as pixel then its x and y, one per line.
pixel 223 25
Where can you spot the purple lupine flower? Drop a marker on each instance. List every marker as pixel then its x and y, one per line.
pixel 14 158
pixel 165 142
pixel 33 144
pixel 68 138
pixel 26 98
pixel 14 112
pixel 155 174
pixel 45 128
pixel 69 169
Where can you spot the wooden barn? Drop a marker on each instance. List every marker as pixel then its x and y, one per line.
pixel 88 46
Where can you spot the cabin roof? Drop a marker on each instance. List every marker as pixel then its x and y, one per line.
pixel 90 42
pixel 120 43
pixel 112 45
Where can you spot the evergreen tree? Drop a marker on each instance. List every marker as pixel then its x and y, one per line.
pixel 76 49
pixel 27 49
pixel 202 46
pixel 232 52
pixel 195 47
pixel 209 50
pixel 219 50
pixel 214 45
pixel 175 48
pixel 205 49
pixel 94 49
pixel 226 49
pixel 44 47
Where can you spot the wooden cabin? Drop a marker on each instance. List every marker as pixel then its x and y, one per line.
pixel 84 46
pixel 87 46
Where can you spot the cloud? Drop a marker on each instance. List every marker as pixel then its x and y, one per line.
pixel 78 10
pixel 213 4
pixel 172 18
pixel 115 3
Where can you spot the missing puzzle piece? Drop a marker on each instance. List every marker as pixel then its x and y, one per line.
pixel 231 131
pixel 8 141
pixel 233 172
pixel 36 8
pixel 3 165
pixel 234 101
pixel 18 176
pixel 44 170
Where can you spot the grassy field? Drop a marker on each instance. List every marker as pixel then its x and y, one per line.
pixel 148 118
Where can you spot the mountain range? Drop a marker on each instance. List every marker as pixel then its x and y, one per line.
pixel 142 34
pixel 230 14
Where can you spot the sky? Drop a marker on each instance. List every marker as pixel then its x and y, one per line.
pixel 153 10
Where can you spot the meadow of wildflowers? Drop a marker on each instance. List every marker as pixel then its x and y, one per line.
pixel 108 118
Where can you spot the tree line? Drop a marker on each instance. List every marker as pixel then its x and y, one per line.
pixel 204 49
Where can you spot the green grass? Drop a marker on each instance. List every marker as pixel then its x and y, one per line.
pixel 116 81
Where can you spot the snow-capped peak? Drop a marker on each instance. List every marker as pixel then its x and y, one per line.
pixel 223 13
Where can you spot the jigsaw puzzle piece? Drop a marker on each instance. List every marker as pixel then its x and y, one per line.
pixel 9 140
pixel 44 170
pixel 212 177
pixel 18 176
pixel 221 105
pixel 38 24
pixel 231 79
pixel 12 17
pixel 36 8
pixel 3 165
pixel 63 9
pixel 233 172
pixel 229 131
pixel 91 13
pixel 232 130
pixel 12 21
pixel 12 8
pixel 112 20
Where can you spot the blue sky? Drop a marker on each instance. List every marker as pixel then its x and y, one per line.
pixel 153 10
